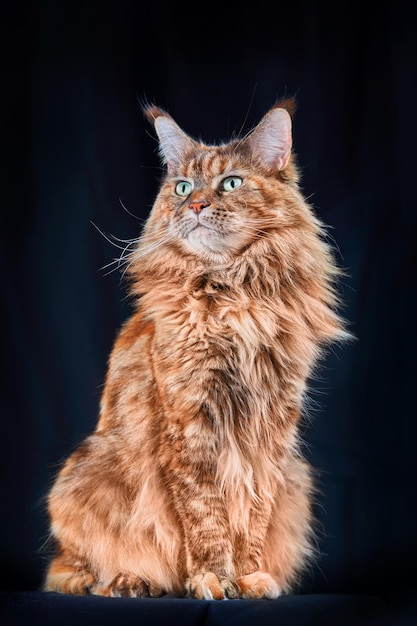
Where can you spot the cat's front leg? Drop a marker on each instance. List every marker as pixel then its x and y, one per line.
pixel 190 456
pixel 278 546
pixel 253 582
pixel 209 562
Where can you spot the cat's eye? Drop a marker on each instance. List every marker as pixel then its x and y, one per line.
pixel 231 183
pixel 183 188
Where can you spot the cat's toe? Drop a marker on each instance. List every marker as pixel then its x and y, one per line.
pixel 155 591
pixel 209 586
pixel 126 586
pixel 230 588
pixel 69 574
pixel 258 585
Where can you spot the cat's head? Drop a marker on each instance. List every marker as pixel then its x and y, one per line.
pixel 216 200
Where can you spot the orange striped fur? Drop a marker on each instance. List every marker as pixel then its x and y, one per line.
pixel 193 481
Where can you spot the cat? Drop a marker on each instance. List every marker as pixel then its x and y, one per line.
pixel 193 482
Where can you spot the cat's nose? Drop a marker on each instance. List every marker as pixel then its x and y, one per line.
pixel 198 206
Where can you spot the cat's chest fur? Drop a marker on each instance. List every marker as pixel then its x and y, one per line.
pixel 213 348
pixel 219 382
pixel 214 323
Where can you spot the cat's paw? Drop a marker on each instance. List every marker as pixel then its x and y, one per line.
pixel 209 586
pixel 129 586
pixel 258 585
pixel 67 574
pixel 78 583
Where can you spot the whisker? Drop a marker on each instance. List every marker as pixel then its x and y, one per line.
pixel 132 240
pixel 242 139
pixel 129 254
pixel 161 168
pixel 119 261
pixel 113 269
pixel 264 228
pixel 149 247
pixel 144 249
pixel 248 109
pixel 107 237
pixel 143 221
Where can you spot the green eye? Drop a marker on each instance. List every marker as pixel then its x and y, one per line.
pixel 183 188
pixel 231 183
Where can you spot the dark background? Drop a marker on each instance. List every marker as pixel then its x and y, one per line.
pixel 75 146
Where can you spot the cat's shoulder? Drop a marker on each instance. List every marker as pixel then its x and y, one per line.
pixel 136 327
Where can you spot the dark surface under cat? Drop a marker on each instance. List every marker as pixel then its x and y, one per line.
pixel 49 609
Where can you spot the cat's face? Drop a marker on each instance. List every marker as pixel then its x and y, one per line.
pixel 216 200
pixel 215 203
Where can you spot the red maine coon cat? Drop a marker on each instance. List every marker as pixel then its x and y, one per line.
pixel 193 481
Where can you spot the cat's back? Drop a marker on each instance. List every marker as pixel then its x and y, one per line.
pixel 129 373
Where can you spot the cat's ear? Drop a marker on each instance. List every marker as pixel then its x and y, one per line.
pixel 271 140
pixel 174 143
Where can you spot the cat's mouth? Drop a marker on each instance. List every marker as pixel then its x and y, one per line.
pixel 205 226
pixel 203 230
pixel 205 235
pixel 201 224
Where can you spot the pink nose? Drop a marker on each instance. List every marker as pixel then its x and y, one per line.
pixel 199 205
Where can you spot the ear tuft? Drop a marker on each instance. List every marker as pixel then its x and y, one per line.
pixel 289 104
pixel 151 112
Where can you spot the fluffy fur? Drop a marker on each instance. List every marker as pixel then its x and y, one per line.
pixel 193 481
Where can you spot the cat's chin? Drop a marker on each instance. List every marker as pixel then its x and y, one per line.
pixel 208 244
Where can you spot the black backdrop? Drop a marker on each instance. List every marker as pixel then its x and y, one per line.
pixel 75 147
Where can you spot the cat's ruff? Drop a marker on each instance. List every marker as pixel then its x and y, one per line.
pixel 193 481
